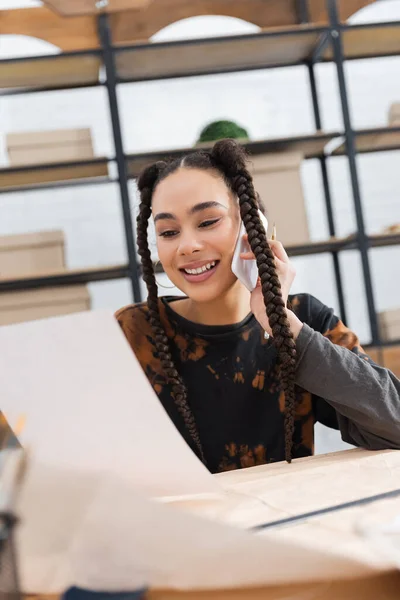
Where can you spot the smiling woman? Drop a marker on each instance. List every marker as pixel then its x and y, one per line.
pixel 239 398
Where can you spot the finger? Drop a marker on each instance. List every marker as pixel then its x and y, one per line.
pixel 278 250
pixel 247 256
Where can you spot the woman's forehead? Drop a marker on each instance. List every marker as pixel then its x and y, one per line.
pixel 187 187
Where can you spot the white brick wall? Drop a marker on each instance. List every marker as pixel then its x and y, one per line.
pixel 169 114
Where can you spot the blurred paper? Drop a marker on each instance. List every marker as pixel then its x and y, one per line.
pixel 90 408
pixel 167 548
pixel 100 443
pixel 100 534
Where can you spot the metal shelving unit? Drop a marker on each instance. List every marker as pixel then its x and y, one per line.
pixel 305 44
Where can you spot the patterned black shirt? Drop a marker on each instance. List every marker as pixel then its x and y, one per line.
pixel 230 372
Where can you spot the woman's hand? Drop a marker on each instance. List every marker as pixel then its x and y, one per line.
pixel 286 273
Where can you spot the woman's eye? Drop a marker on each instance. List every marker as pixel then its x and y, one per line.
pixel 167 234
pixel 209 223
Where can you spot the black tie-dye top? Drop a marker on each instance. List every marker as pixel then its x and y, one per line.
pixel 230 373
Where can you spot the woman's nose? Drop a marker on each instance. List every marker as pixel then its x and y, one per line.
pixel 189 243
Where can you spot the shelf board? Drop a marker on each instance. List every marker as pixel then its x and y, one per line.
pixel 276 47
pixel 331 245
pixel 384 240
pixel 339 244
pixel 61 278
pixel 272 48
pixel 58 185
pixel 35 175
pixel 380 240
pixel 311 146
pixel 368 41
pixel 50 72
pixel 373 140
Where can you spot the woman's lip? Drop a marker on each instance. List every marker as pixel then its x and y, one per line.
pixel 198 264
pixel 199 278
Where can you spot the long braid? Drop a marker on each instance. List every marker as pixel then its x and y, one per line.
pixel 229 158
pixel 146 184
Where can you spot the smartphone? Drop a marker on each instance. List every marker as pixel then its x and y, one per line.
pixel 246 270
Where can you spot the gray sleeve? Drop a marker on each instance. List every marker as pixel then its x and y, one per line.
pixel 365 396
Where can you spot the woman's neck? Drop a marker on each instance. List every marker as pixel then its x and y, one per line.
pixel 232 307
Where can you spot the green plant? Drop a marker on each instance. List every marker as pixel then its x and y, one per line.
pixel 218 130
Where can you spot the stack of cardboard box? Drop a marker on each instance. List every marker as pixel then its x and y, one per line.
pixel 278 182
pixel 41 253
pixel 30 255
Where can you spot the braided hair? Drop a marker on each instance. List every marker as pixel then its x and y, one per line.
pixel 229 159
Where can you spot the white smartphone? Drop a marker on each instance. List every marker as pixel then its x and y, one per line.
pixel 246 270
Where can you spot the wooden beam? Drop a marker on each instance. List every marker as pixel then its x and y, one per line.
pixel 77 33
pixel 141 25
pixel 80 32
pixel 160 13
pixel 70 8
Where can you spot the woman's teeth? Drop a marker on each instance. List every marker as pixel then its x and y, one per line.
pixel 202 269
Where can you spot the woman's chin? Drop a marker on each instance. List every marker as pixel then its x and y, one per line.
pixel 207 292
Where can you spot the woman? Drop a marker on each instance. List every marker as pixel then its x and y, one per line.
pixel 239 397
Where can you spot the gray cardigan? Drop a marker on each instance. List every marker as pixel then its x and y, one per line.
pixel 365 396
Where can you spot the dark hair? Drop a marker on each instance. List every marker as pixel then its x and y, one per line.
pixel 229 159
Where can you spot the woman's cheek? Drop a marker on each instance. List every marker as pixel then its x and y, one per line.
pixel 226 240
pixel 166 253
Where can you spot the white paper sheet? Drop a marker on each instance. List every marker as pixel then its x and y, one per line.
pixel 89 407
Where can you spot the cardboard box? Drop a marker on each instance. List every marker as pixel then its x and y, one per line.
pixel 41 147
pixel 18 307
pixel 277 180
pixel 31 253
pixel 394 114
pixel 389 323
pixel 388 357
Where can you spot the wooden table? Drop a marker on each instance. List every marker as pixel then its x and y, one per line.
pixel 271 493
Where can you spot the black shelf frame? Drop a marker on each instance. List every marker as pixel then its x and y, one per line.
pixel 78 277
pixel 330 36
pixel 58 185
pixel 111 84
pixel 337 44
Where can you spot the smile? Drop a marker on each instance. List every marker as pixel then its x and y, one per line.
pixel 202 269
pixel 199 274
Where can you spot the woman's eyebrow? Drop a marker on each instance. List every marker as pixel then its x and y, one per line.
pixel 204 205
pixel 164 216
pixel 195 209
